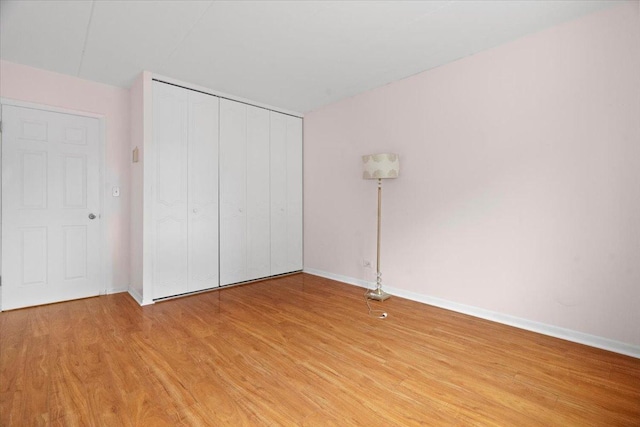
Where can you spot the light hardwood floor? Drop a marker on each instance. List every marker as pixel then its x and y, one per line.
pixel 299 350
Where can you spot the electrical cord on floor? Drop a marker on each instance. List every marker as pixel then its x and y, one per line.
pixel 380 314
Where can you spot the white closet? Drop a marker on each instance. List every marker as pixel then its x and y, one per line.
pixel 217 191
pixel 185 194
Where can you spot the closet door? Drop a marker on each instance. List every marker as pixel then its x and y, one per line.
pixel 203 191
pixel 258 189
pixel 244 192
pixel 286 193
pixel 233 192
pixel 170 190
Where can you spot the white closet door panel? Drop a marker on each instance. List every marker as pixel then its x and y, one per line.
pixel 258 189
pixel 233 185
pixel 170 263
pixel 203 191
pixel 278 181
pixel 294 193
pixel 286 193
pixel 170 139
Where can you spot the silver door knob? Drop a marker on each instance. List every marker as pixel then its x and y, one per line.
pixel 92 216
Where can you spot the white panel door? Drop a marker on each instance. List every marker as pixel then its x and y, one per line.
pixel 170 190
pixel 244 192
pixel 258 194
pixel 233 192
pixel 286 193
pixel 50 188
pixel 203 191
pixel 294 193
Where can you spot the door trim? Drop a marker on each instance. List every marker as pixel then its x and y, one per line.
pixel 104 264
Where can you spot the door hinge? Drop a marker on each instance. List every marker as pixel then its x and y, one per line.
pixel 0 127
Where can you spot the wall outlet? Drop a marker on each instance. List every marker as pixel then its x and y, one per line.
pixel 366 263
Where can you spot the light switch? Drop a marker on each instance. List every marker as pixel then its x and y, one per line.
pixel 115 191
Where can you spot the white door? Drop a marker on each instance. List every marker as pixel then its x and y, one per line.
pixel 50 207
pixel 244 192
pixel 203 191
pixel 286 193
pixel 170 204
pixel 258 194
pixel 185 199
pixel 233 192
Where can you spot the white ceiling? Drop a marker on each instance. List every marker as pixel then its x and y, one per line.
pixel 296 55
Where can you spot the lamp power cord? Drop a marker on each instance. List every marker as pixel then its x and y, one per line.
pixel 380 314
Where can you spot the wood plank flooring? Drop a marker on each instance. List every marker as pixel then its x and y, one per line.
pixel 298 350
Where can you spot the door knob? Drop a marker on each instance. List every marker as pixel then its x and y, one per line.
pixel 92 216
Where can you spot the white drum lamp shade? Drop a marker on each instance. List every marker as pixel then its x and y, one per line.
pixel 380 166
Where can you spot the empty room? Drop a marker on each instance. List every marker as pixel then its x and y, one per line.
pixel 320 213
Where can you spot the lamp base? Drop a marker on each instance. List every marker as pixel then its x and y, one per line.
pixel 377 294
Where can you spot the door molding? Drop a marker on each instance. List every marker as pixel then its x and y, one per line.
pixel 104 264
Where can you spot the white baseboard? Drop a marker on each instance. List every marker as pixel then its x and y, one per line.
pixel 529 325
pixel 136 296
pixel 117 290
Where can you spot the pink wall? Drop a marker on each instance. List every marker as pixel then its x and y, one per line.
pixel 38 86
pixel 519 189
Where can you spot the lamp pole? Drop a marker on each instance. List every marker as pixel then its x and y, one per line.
pixel 378 293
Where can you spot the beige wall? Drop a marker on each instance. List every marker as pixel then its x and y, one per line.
pixel 519 190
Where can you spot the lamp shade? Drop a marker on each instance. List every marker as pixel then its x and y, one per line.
pixel 375 166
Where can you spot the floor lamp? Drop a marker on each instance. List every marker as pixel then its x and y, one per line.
pixel 379 166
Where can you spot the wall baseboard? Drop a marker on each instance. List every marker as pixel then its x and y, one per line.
pixel 116 290
pixel 136 296
pixel 529 325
